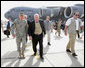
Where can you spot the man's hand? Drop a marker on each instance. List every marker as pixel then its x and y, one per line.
pixel 51 30
pixel 65 30
pixel 43 35
pixel 65 33
pixel 13 35
pixel 30 37
pixel 26 35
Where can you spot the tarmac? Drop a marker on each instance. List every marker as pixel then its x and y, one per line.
pixel 54 55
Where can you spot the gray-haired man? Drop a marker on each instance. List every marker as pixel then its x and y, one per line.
pixel 36 31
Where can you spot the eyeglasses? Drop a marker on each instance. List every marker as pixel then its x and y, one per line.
pixel 76 15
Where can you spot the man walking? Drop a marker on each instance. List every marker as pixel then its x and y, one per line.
pixel 71 25
pixel 21 31
pixel 36 32
pixel 59 27
pixel 47 24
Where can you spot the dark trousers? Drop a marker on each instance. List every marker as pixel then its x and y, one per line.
pixel 35 40
pixel 78 33
pixel 7 32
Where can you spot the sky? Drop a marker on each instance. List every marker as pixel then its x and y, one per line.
pixel 6 5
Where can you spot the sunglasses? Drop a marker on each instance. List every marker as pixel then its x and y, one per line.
pixel 76 15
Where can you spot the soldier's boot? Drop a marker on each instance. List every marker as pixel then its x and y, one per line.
pixel 59 35
pixel 20 55
pixel 23 56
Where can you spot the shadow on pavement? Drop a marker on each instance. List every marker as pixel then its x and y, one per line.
pixel 9 57
pixel 75 62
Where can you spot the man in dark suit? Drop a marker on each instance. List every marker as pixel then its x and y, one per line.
pixel 36 32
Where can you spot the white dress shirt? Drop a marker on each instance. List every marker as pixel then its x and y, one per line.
pixel 76 21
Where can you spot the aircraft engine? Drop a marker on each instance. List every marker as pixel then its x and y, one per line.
pixel 69 11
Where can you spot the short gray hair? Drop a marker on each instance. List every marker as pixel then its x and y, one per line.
pixel 25 16
pixel 36 15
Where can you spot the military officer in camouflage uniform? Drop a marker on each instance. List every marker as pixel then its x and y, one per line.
pixel 20 26
pixel 59 27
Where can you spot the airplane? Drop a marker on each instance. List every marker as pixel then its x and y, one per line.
pixel 43 12
pixel 55 12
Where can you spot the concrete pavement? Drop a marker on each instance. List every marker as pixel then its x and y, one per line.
pixel 54 55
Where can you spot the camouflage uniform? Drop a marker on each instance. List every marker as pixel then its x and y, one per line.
pixel 59 27
pixel 21 31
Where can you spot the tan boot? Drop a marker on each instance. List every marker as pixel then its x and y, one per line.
pixel 20 54
pixel 23 55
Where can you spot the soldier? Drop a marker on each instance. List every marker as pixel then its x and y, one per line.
pixel 53 26
pixel 21 31
pixel 59 27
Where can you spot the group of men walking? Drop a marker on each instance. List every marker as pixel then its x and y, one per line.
pixel 37 29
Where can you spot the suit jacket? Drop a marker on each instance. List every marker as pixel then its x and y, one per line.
pixel 31 29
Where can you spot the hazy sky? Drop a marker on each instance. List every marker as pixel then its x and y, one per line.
pixel 6 5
